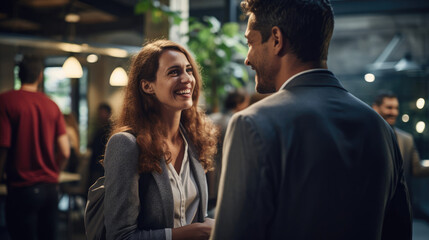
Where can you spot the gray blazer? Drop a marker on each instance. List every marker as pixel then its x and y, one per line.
pixel 141 206
pixel 412 165
pixel 311 162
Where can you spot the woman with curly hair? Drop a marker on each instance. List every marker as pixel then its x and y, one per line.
pixel 159 151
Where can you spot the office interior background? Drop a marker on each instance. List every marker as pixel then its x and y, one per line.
pixel 377 44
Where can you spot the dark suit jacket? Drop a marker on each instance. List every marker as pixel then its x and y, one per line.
pixel 311 162
pixel 141 206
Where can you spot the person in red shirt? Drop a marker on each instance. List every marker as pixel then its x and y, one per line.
pixel 33 149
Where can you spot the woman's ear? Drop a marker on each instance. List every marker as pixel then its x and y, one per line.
pixel 147 87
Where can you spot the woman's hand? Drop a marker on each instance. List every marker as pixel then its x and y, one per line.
pixel 194 231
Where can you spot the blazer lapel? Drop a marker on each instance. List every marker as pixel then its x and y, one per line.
pixel 163 182
pixel 199 176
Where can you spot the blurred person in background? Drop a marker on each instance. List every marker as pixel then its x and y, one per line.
pixel 162 144
pixel 72 129
pixel 387 105
pixel 99 141
pixel 256 97
pixel 311 161
pixel 235 101
pixel 34 148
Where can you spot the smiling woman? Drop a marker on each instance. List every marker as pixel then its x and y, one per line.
pixel 175 82
pixel 162 144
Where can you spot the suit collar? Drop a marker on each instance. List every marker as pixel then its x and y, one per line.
pixel 314 78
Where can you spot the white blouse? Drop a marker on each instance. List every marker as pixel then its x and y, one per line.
pixel 185 193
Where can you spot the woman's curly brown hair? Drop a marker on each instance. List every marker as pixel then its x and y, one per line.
pixel 141 116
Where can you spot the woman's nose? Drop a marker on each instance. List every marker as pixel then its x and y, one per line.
pixel 186 78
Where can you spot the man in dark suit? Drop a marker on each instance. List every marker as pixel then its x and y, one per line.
pixel 310 161
pixel 387 105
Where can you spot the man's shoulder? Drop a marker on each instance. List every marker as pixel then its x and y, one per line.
pixel 18 95
pixel 10 98
pixel 403 134
pixel 265 114
pixel 270 103
pixel 8 94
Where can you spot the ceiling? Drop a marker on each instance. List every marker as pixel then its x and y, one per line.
pixel 46 18
pixel 114 21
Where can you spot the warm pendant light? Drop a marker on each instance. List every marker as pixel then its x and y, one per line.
pixel 119 77
pixel 72 68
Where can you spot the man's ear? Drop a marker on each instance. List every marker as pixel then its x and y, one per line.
pixel 40 77
pixel 375 107
pixel 278 42
pixel 147 87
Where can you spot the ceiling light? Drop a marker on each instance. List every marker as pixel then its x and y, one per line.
pixel 116 52
pixel 420 103
pixel 92 58
pixel 405 118
pixel 72 68
pixel 119 77
pixel 369 77
pixel 72 18
pixel 420 126
pixel 70 47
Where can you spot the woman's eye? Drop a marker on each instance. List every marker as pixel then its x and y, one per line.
pixel 189 70
pixel 174 72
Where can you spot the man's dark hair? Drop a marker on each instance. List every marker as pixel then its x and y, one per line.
pixel 306 24
pixel 234 98
pixel 106 107
pixel 378 100
pixel 30 69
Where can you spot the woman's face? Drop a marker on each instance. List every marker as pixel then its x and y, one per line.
pixel 174 82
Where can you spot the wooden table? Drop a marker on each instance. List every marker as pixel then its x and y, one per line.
pixel 66 177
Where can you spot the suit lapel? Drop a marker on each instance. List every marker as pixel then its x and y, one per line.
pixel 163 182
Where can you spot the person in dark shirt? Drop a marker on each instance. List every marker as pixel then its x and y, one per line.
pixel 99 141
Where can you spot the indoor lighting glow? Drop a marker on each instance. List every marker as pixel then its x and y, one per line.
pixel 420 103
pixel 420 127
pixel 369 77
pixel 72 18
pixel 116 52
pixel 92 58
pixel 70 47
pixel 119 77
pixel 72 68
pixel 405 118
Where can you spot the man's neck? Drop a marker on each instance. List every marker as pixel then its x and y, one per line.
pixel 29 87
